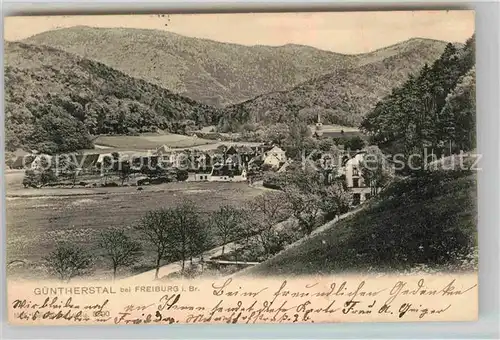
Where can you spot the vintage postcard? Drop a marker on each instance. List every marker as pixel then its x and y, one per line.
pixel 241 168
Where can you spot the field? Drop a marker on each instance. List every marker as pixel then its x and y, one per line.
pixel 35 223
pixel 335 128
pixel 150 141
pixel 338 131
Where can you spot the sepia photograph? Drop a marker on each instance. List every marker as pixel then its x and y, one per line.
pixel 209 149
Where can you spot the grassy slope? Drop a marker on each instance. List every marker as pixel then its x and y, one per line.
pixel 388 233
pixel 208 71
pixel 346 95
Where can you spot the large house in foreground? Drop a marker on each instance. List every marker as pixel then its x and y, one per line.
pixel 361 191
pixel 355 182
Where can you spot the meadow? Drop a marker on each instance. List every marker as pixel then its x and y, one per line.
pixel 150 141
pixel 36 223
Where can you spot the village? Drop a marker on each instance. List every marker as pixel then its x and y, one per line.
pixel 252 163
pixel 193 158
pixel 248 197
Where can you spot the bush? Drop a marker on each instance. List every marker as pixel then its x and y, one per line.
pixel 273 180
pixel 144 181
pixel 159 180
pixel 182 175
pixel 109 184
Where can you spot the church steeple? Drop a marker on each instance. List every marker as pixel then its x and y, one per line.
pixel 318 132
pixel 318 123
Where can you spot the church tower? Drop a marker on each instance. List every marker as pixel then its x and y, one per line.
pixel 319 125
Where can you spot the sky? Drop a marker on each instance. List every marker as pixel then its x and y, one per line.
pixel 343 32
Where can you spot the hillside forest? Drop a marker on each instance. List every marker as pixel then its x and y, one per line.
pixel 59 102
pixel 56 102
pixel 434 109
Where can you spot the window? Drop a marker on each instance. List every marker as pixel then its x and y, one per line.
pixel 368 196
pixel 355 182
pixel 355 171
pixel 356 199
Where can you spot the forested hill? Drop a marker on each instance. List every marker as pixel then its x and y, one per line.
pixel 207 71
pixel 344 96
pixel 55 101
pixel 221 74
pixel 435 108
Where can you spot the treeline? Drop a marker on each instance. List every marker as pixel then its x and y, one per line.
pixel 56 101
pixel 434 109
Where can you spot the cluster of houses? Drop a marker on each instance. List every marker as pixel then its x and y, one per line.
pixel 232 163
pixel 226 163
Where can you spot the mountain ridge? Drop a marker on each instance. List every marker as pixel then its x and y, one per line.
pixel 341 97
pixel 211 72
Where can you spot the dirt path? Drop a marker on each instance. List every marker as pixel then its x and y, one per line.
pixel 318 230
pixel 217 251
pixel 176 266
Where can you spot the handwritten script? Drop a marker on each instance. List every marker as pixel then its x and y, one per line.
pixel 247 301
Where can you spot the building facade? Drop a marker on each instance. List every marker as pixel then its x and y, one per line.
pixel 361 191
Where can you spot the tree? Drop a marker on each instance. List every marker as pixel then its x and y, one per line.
pixel 306 179
pixel 226 223
pixel 375 169
pixel 305 207
pixel 413 116
pixel 57 131
pixel 71 171
pixel 30 179
pixel 270 208
pixel 47 174
pixel 116 157
pixel 182 175
pixel 9 159
pixel 124 171
pixel 326 144
pixel 335 200
pixel 68 261
pixel 107 164
pixel 460 113
pixel 355 143
pixel 276 132
pixel 187 233
pixel 156 228
pixel 299 139
pixel 120 249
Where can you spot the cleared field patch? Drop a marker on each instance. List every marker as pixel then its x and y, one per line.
pixel 35 224
pixel 338 131
pixel 150 141
pixel 336 128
